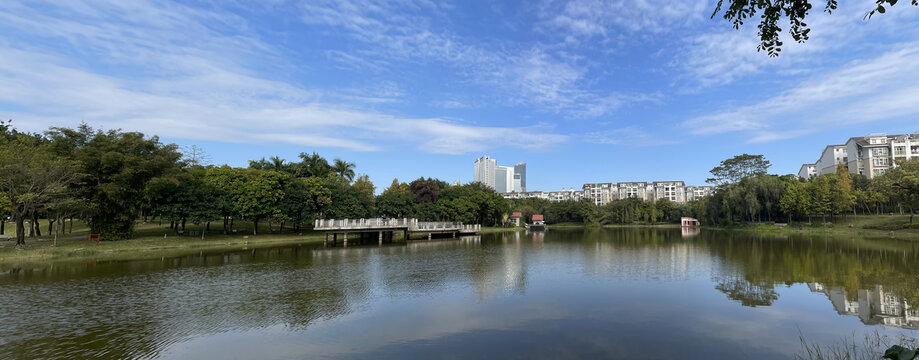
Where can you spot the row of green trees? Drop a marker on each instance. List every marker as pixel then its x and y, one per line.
pixel 758 196
pixel 110 179
pixel 745 192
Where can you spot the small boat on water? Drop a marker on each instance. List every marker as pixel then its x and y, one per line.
pixel 538 223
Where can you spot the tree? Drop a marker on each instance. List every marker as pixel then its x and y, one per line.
pixel 822 196
pixel 843 199
pixel 185 196
pixel 904 183
pixel 396 201
pixel 195 156
pixel 772 11
pixel 116 167
pixel 738 167
pixel 6 206
pixel 261 197
pixel 32 178
pixel 795 201
pixel 425 190
pixel 313 165
pixel 343 169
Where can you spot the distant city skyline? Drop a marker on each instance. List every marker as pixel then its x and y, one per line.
pixel 583 91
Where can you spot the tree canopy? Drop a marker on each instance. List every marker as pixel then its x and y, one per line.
pixel 772 12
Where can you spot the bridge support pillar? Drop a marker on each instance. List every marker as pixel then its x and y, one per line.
pixel 381 238
pixel 454 234
pixel 334 239
pixel 326 241
pixel 429 236
pixel 346 240
pixel 405 235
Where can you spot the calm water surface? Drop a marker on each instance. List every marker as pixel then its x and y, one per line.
pixel 613 293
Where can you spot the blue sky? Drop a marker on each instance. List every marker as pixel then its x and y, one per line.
pixel 580 90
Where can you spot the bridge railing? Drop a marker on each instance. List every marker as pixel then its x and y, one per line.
pixel 321 224
pixel 404 223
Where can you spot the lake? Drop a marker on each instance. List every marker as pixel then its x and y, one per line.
pixel 605 293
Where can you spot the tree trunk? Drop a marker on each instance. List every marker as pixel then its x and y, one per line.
pixel 50 226
pixel 20 230
pixel 208 226
pixel 225 220
pixel 37 225
pixel 2 226
pixel 183 226
pixel 282 228
pixel 71 226
pixel 911 214
pixel 255 227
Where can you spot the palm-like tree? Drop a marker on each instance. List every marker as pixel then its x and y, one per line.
pixel 344 169
pixel 314 165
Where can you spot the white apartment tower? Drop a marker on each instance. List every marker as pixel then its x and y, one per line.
pixel 484 171
pixel 504 179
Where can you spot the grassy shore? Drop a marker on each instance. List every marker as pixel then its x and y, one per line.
pixel 151 241
pixel 869 226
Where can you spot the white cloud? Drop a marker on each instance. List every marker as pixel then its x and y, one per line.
pixel 630 135
pixel 179 72
pixel 870 90
pixel 397 32
pixel 607 19
pixel 711 58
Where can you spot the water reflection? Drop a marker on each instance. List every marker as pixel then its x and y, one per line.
pixel 872 306
pixel 708 295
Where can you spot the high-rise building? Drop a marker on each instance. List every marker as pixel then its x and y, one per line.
pixel 484 171
pixel 504 179
pixel 520 177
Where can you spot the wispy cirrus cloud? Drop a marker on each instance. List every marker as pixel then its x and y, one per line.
pixel 629 135
pixel 587 19
pixel 713 58
pixel 184 72
pixel 871 90
pixel 397 32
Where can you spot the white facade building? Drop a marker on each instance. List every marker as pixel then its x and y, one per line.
pixel 604 193
pixel 807 171
pixel 698 192
pixel 875 154
pixel 484 171
pixel 832 156
pixel 504 179
pixel 671 190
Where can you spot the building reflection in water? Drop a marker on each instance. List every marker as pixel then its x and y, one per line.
pixel 871 306
pixel 688 231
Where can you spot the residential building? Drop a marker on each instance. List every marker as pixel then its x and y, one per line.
pixel 641 190
pixel 484 171
pixel 456 183
pixel 832 156
pixel 600 193
pixel 604 193
pixel 564 195
pixel 504 179
pixel 807 171
pixel 671 190
pixel 875 154
pixel 520 177
pixel 698 192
